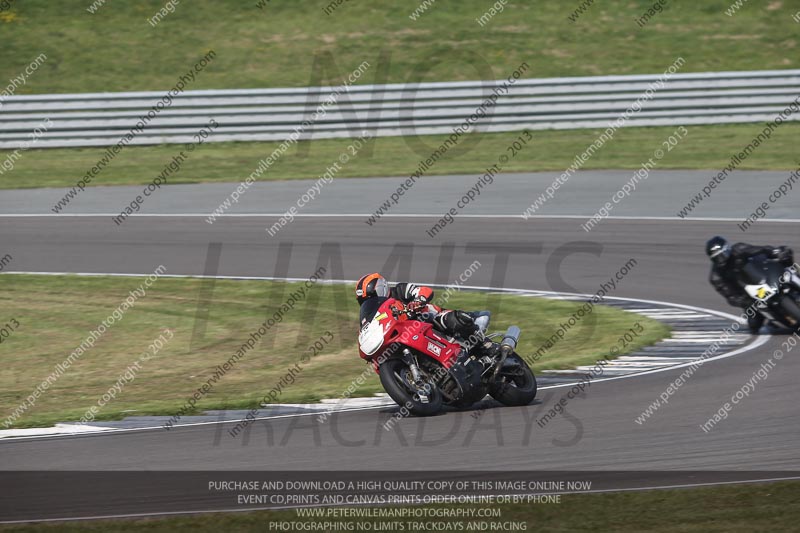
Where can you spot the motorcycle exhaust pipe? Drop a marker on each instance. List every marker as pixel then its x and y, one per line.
pixel 507 345
pixel 510 340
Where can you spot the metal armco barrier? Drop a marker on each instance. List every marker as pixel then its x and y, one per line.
pixel 102 119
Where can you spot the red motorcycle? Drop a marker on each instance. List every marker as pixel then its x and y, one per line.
pixel 423 369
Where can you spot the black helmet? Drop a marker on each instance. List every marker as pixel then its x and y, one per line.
pixel 718 249
pixel 371 285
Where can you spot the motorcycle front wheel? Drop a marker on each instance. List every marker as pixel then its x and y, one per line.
pixel 791 308
pixel 398 382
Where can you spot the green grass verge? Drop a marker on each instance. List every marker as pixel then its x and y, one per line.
pixel 56 313
pixel 724 509
pixel 705 147
pixel 116 49
pixel 297 44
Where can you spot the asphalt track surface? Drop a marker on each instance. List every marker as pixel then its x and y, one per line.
pixel 662 194
pixel 600 432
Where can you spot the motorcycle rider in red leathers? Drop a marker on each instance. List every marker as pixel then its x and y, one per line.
pixel 418 299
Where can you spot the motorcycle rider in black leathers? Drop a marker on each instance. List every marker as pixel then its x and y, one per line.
pixel 469 326
pixel 727 264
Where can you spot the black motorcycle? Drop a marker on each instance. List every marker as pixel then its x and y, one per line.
pixel 775 289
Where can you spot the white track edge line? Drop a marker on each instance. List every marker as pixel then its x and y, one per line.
pixel 760 340
pixel 389 215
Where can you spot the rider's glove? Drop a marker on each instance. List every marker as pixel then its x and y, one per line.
pixel 416 306
pixel 782 254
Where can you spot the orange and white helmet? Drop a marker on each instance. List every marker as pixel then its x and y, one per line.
pixel 371 285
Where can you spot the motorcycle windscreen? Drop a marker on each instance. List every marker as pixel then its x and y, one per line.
pixel 755 269
pixel 369 309
pixel 761 269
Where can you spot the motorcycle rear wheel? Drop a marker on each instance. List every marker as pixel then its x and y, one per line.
pixel 396 380
pixel 515 384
